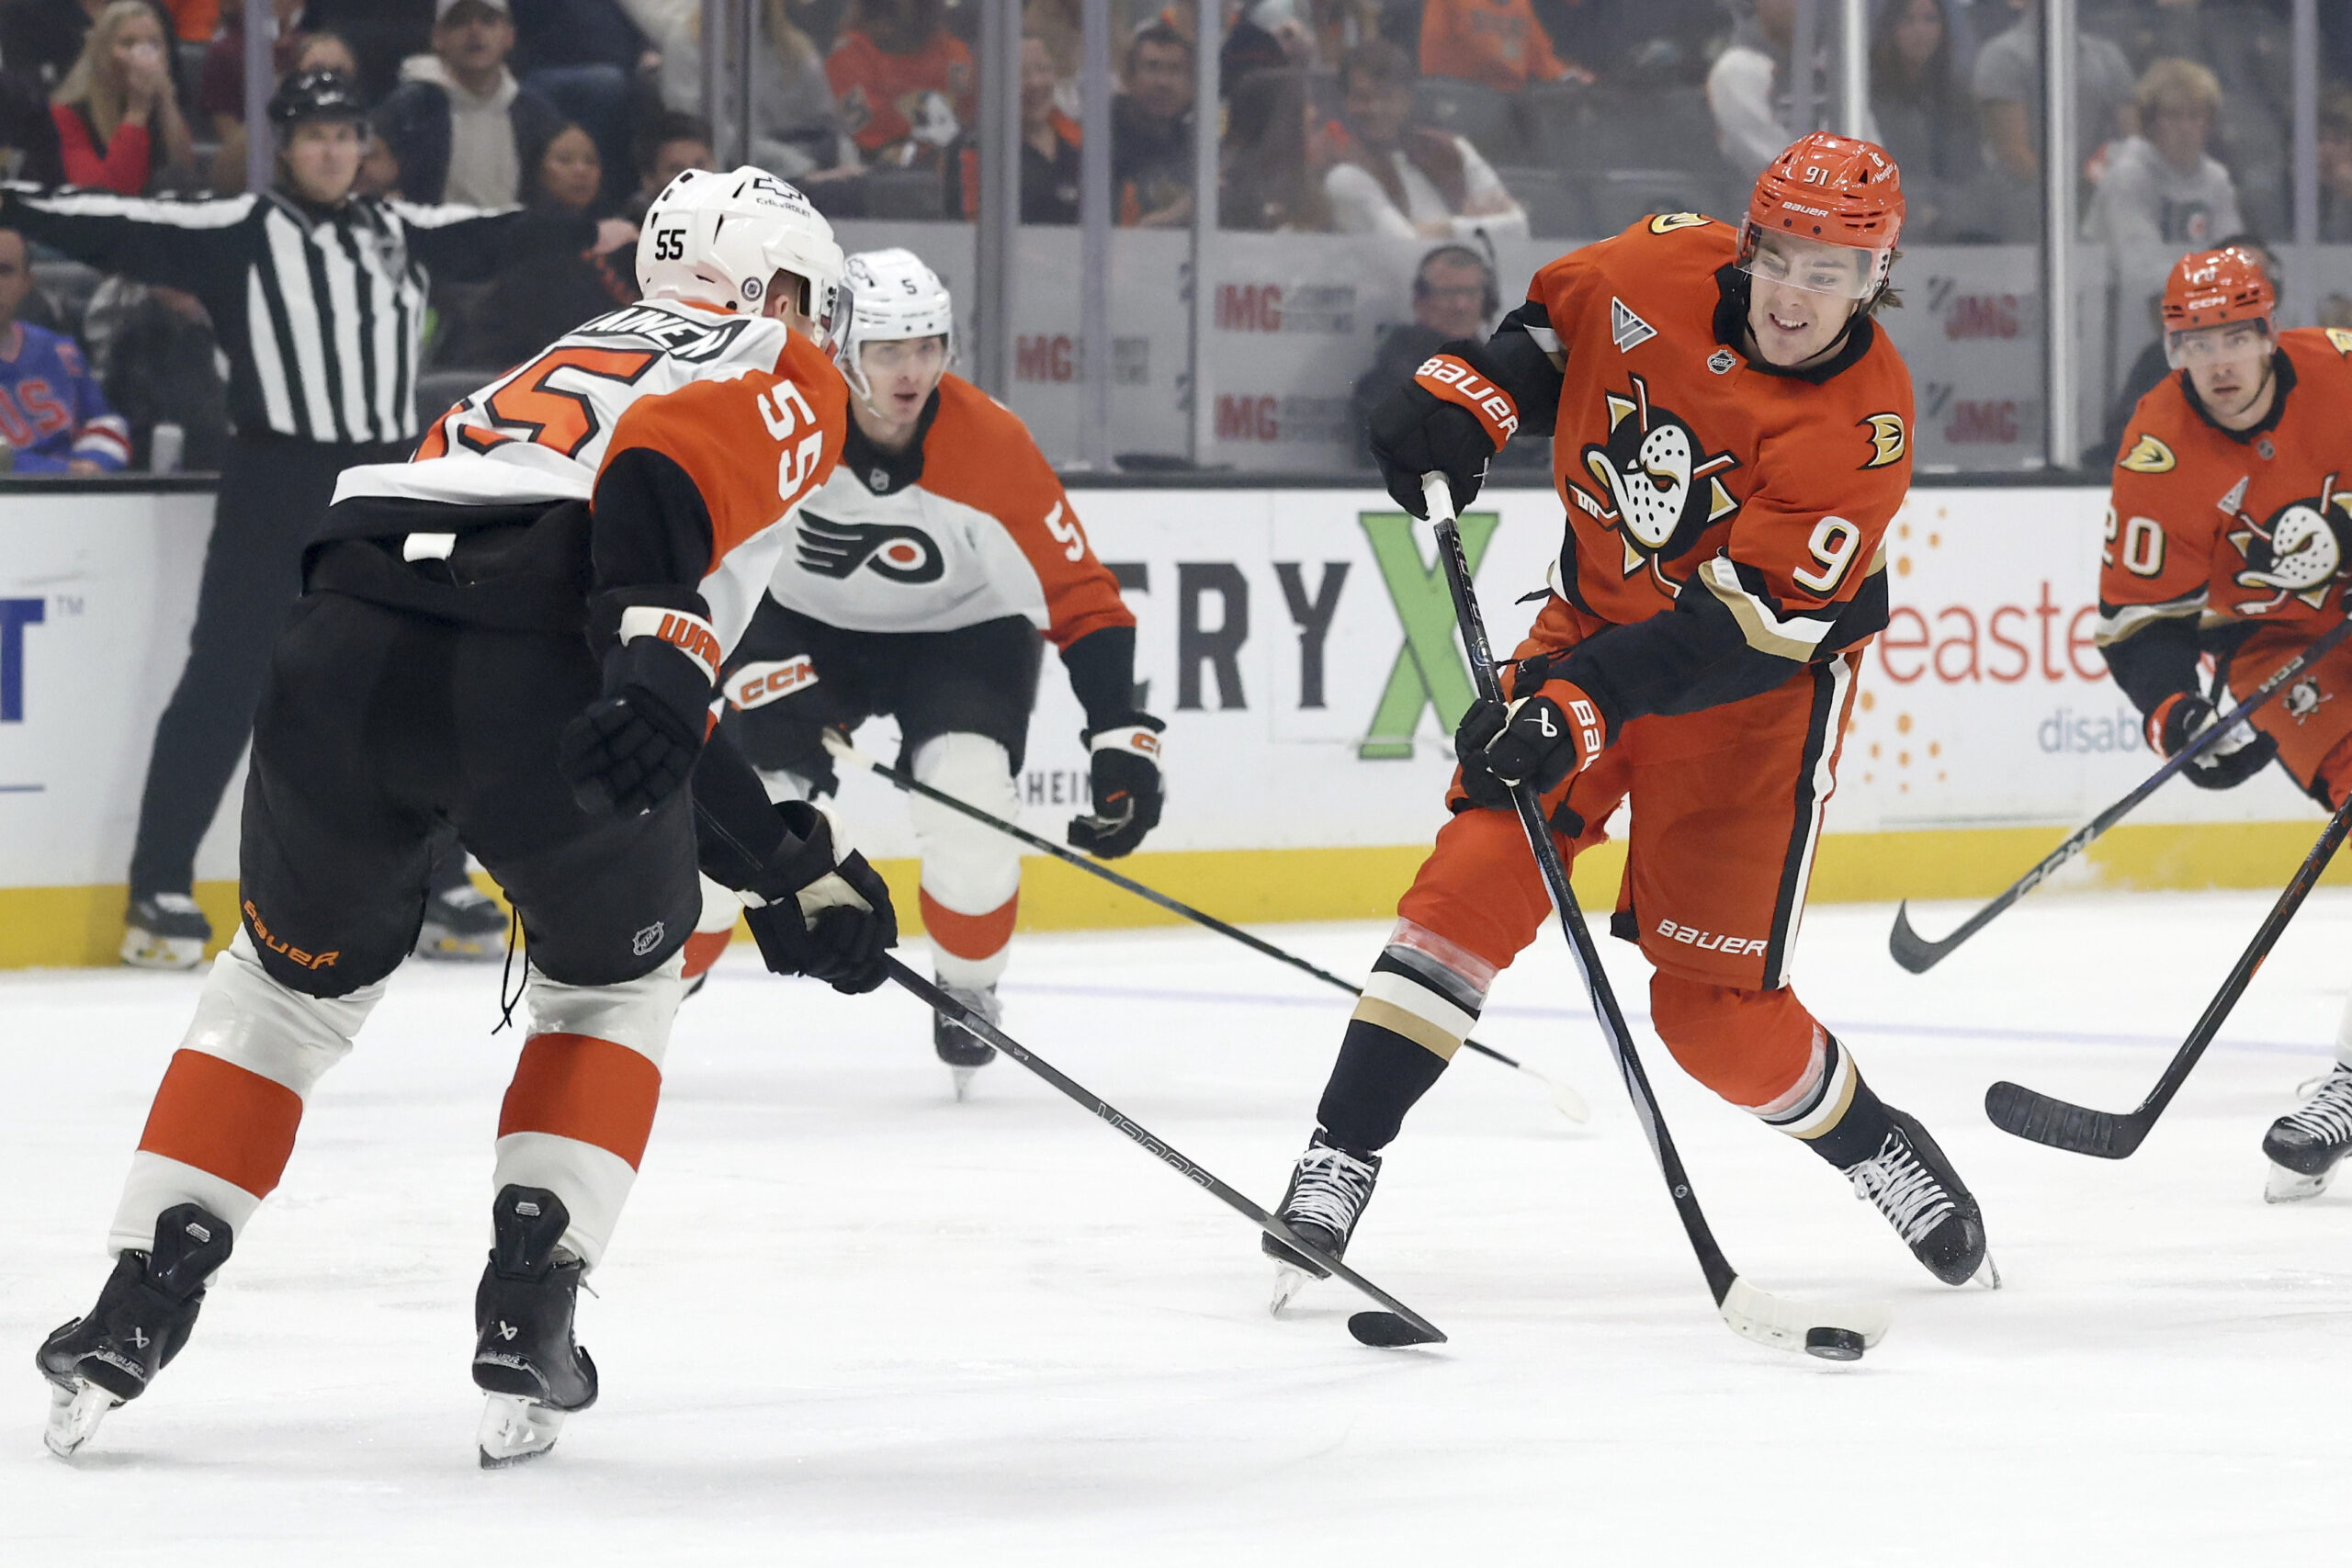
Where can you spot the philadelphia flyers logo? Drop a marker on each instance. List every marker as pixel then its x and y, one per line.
pixel 1660 486
pixel 1888 442
pixel 892 550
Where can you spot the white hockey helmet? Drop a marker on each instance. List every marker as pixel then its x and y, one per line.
pixel 898 298
pixel 717 240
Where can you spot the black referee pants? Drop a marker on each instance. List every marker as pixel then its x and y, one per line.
pixel 274 490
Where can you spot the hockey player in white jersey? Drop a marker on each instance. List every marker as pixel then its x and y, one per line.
pixel 517 634
pixel 916 584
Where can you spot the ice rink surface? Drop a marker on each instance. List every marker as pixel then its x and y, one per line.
pixel 848 1321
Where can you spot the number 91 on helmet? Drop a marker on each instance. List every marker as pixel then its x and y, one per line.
pixel 1825 217
pixel 721 239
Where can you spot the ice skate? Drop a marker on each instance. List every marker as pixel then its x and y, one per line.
pixel 145 1314
pixel 525 1357
pixel 964 1051
pixel 2305 1145
pixel 1329 1190
pixel 464 924
pixel 164 931
pixel 1923 1198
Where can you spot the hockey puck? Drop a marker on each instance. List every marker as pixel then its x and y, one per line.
pixel 1834 1344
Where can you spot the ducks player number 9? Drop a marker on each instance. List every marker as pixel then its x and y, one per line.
pixel 1832 544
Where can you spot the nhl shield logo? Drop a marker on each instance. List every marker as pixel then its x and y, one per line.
pixel 1722 360
pixel 647 940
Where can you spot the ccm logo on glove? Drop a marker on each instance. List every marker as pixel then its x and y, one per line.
pixel 756 685
pixel 682 629
pixel 1456 381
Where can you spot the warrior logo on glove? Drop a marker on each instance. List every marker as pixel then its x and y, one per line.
pixel 1650 475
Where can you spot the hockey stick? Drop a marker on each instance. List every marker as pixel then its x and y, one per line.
pixel 1569 1102
pixel 2079 1130
pixel 1400 1325
pixel 1839 1333
pixel 1917 955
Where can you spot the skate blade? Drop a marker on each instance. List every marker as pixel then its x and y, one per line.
pixel 2293 1187
pixel 963 1076
pixel 514 1430
pixel 451 948
pixel 1989 1274
pixel 143 951
pixel 1289 1279
pixel 73 1417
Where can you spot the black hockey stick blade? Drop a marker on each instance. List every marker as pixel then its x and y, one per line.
pixel 2077 1128
pixel 1386 1330
pixel 1915 952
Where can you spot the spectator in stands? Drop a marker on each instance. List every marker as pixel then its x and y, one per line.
pixel 1751 88
pixel 1151 131
pixel 2162 192
pixel 1455 297
pixel 40 39
pixel 2336 165
pixel 1925 117
pixel 119 122
pixel 902 81
pixel 584 56
pixel 1049 141
pixel 797 132
pixel 383 32
pixel 667 146
pixel 1636 43
pixel 535 299
pixel 459 121
pixel 2008 104
pixel 379 168
pixel 1267 181
pixel 220 91
pixel 1495 43
pixel 1389 176
pixel 158 359
pixel 54 418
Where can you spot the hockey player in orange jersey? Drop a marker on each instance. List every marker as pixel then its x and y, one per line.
pixel 917 585
pixel 1730 439
pixel 2229 531
pixel 518 635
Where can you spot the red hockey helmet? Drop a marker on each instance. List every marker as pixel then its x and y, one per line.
pixel 1824 191
pixel 2215 288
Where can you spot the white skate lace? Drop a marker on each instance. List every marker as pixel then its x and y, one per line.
pixel 2326 1117
pixel 1333 1186
pixel 1906 1192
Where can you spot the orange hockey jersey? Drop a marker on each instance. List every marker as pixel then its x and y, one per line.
pixel 1498 43
pixel 2205 523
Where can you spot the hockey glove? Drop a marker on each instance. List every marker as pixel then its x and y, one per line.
pixel 1539 740
pixel 1449 419
pixel 634 746
pixel 777 701
pixel 2228 761
pixel 1126 787
pixel 827 916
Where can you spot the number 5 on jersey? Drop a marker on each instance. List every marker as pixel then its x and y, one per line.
pixel 786 412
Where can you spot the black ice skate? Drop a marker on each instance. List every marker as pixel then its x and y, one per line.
pixel 1328 1190
pixel 525 1356
pixel 1924 1199
pixel 464 924
pixel 2305 1145
pixel 964 1051
pixel 163 931
pixel 145 1314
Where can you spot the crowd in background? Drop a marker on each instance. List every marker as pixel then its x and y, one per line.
pixel 1446 119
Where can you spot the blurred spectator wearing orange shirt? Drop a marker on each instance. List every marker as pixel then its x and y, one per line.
pixel 904 83
pixel 1495 43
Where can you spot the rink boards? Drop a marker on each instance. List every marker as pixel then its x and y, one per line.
pixel 1298 643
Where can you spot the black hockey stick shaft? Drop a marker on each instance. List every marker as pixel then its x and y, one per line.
pixel 1917 955
pixel 1720 1274
pixel 903 780
pixel 938 1001
pixel 2079 1130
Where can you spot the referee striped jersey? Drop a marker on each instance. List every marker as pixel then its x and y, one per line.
pixel 321 310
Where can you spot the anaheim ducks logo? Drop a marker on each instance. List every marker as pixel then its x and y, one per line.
pixel 1660 484
pixel 1888 440
pixel 2148 456
pixel 891 549
pixel 2299 552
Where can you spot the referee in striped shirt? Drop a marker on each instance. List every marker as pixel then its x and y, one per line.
pixel 318 296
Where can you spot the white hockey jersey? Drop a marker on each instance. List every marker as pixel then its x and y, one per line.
pixel 984 531
pixel 765 433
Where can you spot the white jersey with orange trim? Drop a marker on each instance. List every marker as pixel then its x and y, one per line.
pixel 983 531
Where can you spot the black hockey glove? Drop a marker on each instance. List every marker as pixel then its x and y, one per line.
pixel 821 916
pixel 1449 419
pixel 1541 740
pixel 635 745
pixel 1126 787
pixel 2228 761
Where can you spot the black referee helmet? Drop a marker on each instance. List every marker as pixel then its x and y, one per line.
pixel 315 94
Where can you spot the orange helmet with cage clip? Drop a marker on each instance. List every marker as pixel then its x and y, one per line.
pixel 1829 190
pixel 2208 288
